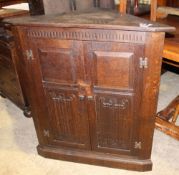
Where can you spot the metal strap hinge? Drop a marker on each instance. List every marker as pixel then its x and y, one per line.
pixel 143 62
pixel 29 54
pixel 46 133
pixel 138 145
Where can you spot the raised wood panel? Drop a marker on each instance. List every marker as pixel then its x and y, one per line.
pixel 51 59
pixel 61 62
pixel 69 122
pixel 113 69
pixel 113 65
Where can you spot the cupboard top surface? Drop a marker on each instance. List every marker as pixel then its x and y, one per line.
pixel 93 19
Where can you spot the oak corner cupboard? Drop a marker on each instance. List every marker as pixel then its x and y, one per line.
pixel 93 82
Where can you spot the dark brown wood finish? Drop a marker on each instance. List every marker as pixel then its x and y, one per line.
pixel 36 7
pixel 93 83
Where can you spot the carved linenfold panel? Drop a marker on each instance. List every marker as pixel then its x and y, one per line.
pixel 67 120
pixel 122 104
pixel 113 123
pixel 94 35
pixel 60 97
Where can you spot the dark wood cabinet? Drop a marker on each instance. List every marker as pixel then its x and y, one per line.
pixel 93 82
pixel 10 86
pixel 9 82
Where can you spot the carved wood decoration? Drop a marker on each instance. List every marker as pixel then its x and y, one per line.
pixel 113 124
pixel 96 35
pixel 69 119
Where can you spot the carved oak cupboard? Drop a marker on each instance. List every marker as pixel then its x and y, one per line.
pixel 93 82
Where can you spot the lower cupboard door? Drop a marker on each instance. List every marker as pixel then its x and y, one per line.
pixel 68 118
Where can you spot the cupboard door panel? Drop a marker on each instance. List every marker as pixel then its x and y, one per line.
pixel 61 62
pixel 114 123
pixel 113 69
pixel 57 65
pixel 113 65
pixel 68 118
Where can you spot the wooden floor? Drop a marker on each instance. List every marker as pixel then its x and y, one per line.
pixel 171 48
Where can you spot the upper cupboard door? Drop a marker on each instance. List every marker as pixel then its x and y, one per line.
pixel 60 61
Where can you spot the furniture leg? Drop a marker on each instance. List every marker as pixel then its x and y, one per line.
pixel 27 112
pixel 167 113
pixel 2 94
pixel 163 119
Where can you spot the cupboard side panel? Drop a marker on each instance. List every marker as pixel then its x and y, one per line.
pixel 24 68
pixel 150 85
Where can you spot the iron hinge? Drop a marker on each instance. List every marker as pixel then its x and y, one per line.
pixel 46 133
pixel 145 25
pixel 29 54
pixel 143 63
pixel 138 145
